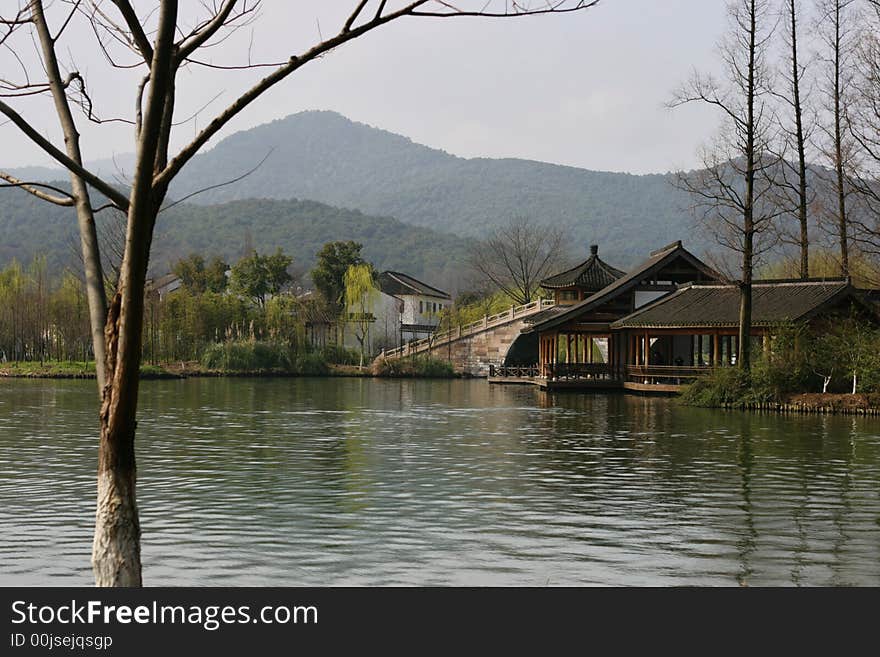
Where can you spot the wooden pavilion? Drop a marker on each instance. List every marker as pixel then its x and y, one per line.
pixel 576 342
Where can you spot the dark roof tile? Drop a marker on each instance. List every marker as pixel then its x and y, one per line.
pixel 394 283
pixel 657 260
pixel 592 274
pixel 717 305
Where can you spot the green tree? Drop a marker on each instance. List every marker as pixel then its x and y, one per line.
pixel 334 259
pixel 259 277
pixel 853 344
pixel 199 277
pixel 361 295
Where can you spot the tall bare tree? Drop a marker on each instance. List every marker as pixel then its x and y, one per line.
pixel 516 257
pixel 864 126
pixel 733 192
pixel 154 42
pixel 836 26
pixel 795 130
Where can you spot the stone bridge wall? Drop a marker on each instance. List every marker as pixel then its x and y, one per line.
pixel 472 354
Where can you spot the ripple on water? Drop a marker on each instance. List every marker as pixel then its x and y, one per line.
pixel 337 481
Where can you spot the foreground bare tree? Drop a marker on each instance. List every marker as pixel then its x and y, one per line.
pixel 517 256
pixel 732 193
pixel 154 42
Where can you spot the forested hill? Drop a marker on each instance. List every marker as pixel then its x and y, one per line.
pixel 29 226
pixel 325 157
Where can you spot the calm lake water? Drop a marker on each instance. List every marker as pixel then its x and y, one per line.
pixel 360 482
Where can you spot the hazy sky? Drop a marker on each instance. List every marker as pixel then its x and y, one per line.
pixel 586 89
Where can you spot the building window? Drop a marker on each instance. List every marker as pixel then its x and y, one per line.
pixel 421 308
pixel 568 295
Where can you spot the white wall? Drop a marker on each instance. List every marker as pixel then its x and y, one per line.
pixel 412 313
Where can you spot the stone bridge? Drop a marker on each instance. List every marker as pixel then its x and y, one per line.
pixel 473 347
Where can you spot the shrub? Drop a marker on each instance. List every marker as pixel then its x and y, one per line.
pixel 310 364
pixel 246 356
pixel 413 367
pixel 724 385
pixel 339 355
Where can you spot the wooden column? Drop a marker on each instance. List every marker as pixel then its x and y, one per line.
pixel 717 351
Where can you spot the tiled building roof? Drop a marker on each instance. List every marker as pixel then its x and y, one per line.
pixel 395 283
pixel 657 260
pixel 592 274
pixel 716 305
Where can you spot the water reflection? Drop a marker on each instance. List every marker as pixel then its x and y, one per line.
pixel 352 481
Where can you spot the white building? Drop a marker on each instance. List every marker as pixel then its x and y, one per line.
pixel 406 309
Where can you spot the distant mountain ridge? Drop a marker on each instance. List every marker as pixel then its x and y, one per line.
pixel 325 157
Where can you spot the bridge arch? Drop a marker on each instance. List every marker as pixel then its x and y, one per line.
pixel 523 351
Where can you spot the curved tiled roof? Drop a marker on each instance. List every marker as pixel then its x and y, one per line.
pixel 657 260
pixel 592 274
pixel 702 305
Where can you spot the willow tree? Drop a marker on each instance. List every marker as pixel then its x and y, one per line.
pixel 733 192
pixel 150 44
pixel 361 296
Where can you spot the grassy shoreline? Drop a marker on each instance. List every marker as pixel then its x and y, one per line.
pixel 192 369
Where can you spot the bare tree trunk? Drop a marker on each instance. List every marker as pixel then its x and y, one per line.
pixel 744 360
pixel 842 220
pixel 94 275
pixel 116 550
pixel 800 145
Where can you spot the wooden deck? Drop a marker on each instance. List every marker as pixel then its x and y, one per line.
pixel 558 384
pixel 579 384
pixel 515 380
pixel 651 388
pixel 639 379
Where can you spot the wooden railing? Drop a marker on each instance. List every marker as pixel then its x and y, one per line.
pixel 665 374
pixel 513 372
pixel 571 371
pixel 438 339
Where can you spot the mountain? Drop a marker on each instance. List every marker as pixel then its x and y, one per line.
pixel 419 204
pixel 30 226
pixel 323 156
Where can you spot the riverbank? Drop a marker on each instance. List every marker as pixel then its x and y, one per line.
pixel 71 370
pixel 194 369
pixel 817 403
pixel 773 389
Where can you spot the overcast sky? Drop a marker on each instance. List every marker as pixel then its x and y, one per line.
pixel 586 89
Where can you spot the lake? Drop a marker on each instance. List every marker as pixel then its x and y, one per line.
pixel 342 481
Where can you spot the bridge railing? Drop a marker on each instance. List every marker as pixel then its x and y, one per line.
pixel 573 371
pixel 513 371
pixel 444 337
